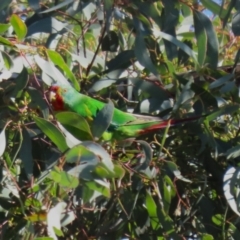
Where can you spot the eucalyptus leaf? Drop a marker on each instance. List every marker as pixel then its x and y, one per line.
pixel 49 69
pixel 54 218
pixel 25 153
pixel 231 187
pixel 46 25
pixel 3 142
pixel 212 40
pixel 19 26
pixel 52 132
pixel 75 124
pixel 102 120
pixel 143 56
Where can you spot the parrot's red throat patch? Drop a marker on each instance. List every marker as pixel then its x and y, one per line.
pixel 56 98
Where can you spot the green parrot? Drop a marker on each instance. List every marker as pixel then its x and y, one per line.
pixel 123 125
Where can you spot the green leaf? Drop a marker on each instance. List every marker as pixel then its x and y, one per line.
pixel 110 42
pixel 79 154
pixel 206 98
pixel 58 232
pixel 43 238
pixel 52 132
pixel 108 4
pixel 57 6
pixel 21 83
pixel 54 219
pixel 235 24
pixel 144 20
pixel 174 169
pixel 101 153
pixel 85 159
pixel 226 109
pixel 233 231
pixel 212 40
pixel 206 236
pixel 51 74
pixel 166 197
pixel 106 81
pixel 168 225
pixel 103 172
pixel 142 54
pixel 57 59
pixel 147 156
pixel 118 171
pixel 4 4
pixel 4 27
pixel 108 10
pixel 102 120
pixel 84 170
pixel 64 179
pixel 178 43
pixel 85 60
pixel 168 192
pixel 6 42
pixel 25 153
pixel 214 7
pixel 47 25
pixel 7 60
pixel 3 142
pixel 150 10
pixel 18 26
pixel 186 10
pixel 184 96
pixel 201 37
pixel 218 219
pixel 105 191
pixel 230 7
pixel 233 152
pixel 37 101
pixel 121 61
pixel 75 124
pixel 231 188
pixel 88 195
pixel 220 81
pixel 152 211
pixel 183 58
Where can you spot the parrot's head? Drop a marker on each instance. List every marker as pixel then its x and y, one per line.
pixel 63 97
pixel 56 97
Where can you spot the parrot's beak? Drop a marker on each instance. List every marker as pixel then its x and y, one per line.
pixel 52 96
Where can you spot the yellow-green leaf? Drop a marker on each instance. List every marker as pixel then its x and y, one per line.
pixel 52 132
pixel 57 59
pixel 18 26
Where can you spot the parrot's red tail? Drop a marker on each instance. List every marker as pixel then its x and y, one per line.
pixel 167 123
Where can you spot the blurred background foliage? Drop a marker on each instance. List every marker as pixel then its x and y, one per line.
pixel 168 58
